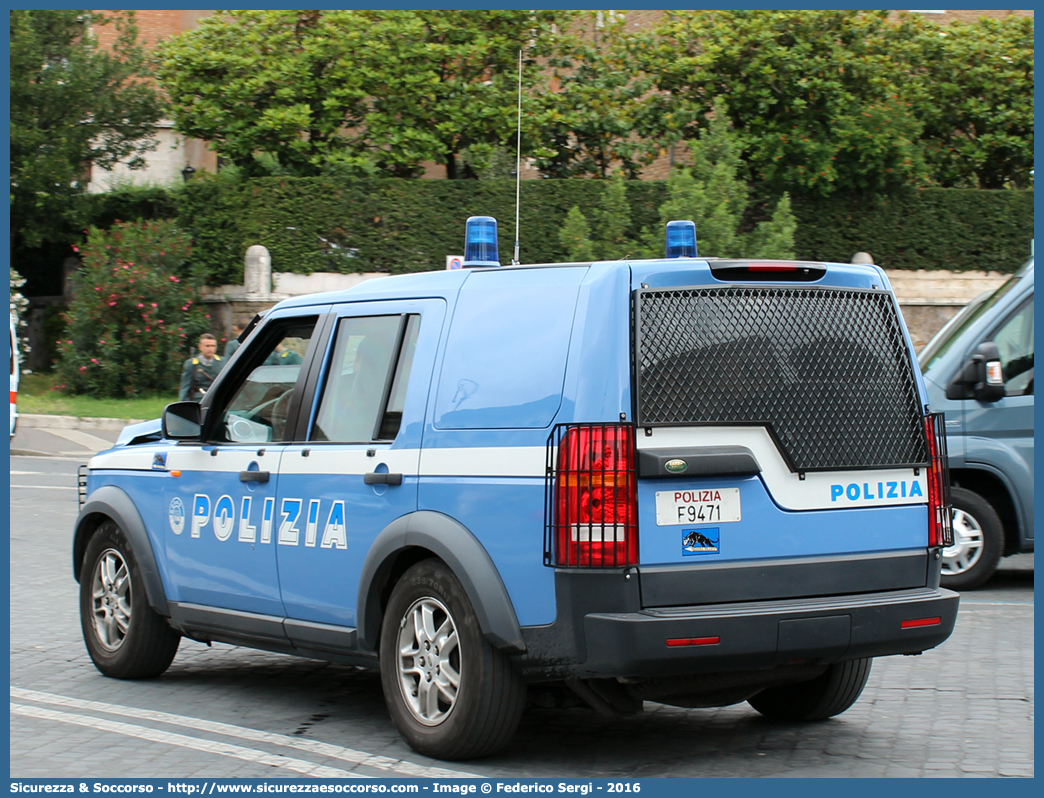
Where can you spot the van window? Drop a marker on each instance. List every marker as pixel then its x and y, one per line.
pixel 940 344
pixel 392 419
pixel 1015 342
pixel 357 380
pixel 260 403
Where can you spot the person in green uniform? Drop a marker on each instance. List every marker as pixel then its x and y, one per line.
pixel 283 357
pixel 237 330
pixel 198 373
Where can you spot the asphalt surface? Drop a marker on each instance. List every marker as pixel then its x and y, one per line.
pixel 964 709
pixel 72 439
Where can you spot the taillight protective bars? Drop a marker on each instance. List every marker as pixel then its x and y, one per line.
pixel 590 500
pixel 940 512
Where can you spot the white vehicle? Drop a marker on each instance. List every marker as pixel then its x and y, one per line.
pixel 14 375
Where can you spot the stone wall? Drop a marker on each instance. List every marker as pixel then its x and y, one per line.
pixel 930 299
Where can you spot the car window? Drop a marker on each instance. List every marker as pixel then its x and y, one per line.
pixel 392 419
pixel 356 389
pixel 1015 343
pixel 951 333
pixel 259 406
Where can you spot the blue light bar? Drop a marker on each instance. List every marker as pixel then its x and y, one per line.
pixel 681 239
pixel 480 242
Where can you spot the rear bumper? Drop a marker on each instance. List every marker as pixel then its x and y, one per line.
pixel 747 635
pixel 767 633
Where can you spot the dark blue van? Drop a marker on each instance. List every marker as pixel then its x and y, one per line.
pixel 979 372
pixel 685 480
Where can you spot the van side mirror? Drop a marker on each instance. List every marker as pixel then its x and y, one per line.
pixel 182 421
pixel 981 378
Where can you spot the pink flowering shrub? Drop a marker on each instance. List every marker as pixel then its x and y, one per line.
pixel 134 313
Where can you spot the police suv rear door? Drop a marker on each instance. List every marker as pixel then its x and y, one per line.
pixel 355 469
pixel 781 437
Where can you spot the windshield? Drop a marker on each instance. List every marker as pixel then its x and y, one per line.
pixel 948 335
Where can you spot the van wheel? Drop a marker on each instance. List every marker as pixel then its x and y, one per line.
pixel 978 540
pixel 829 694
pixel 451 694
pixel 125 637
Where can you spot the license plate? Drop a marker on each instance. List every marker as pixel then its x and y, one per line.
pixel 710 506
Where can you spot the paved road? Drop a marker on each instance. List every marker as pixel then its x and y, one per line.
pixel 60 442
pixel 965 709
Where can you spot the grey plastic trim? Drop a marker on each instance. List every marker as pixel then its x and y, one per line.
pixel 699 461
pixel 455 545
pixel 758 580
pixel 207 621
pixel 320 636
pixel 114 503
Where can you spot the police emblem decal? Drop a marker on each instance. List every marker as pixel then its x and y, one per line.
pixel 700 541
pixel 159 460
pixel 176 516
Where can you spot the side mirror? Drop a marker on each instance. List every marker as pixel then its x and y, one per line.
pixel 182 421
pixel 981 378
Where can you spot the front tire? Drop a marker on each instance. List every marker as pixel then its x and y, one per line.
pixel 125 637
pixel 450 693
pixel 829 694
pixel 978 540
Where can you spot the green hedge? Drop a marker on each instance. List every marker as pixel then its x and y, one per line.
pixel 392 225
pixel 403 225
pixel 934 228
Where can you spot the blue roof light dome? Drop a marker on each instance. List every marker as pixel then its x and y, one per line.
pixel 480 242
pixel 681 239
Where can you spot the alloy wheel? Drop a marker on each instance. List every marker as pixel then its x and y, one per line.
pixel 111 596
pixel 429 661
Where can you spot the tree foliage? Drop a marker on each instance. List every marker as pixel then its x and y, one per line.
pixel 575 237
pixel 827 101
pixel 585 114
pixel 774 237
pixel 349 91
pixel 974 97
pixel 268 82
pixel 813 95
pixel 133 315
pixel 822 101
pixel 614 220
pixel 713 194
pixel 72 104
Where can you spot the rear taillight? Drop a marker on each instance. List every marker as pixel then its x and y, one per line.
pixel 592 509
pixel 940 521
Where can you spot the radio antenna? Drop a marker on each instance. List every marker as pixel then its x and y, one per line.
pixel 518 158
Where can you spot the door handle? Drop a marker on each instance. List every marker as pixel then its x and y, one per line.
pixel 373 478
pixel 253 476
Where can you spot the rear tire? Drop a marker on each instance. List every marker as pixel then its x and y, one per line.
pixel 829 694
pixel 125 637
pixel 451 694
pixel 978 541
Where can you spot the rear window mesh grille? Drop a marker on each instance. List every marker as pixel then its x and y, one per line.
pixel 827 371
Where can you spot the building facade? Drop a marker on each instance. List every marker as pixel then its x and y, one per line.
pixel 173 153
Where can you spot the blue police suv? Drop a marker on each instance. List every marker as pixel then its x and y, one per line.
pixel 687 480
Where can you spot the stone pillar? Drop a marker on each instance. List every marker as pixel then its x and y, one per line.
pixel 258 273
pixel 70 266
